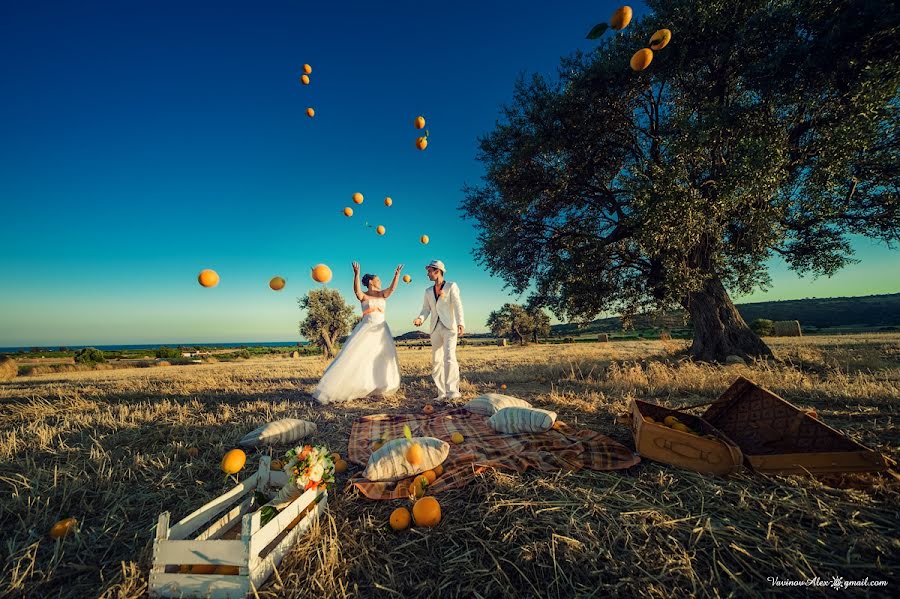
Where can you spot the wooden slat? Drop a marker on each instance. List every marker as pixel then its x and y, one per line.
pixel 218 552
pixel 267 563
pixel 262 537
pixel 215 586
pixel 265 465
pixel 223 524
pixel 196 519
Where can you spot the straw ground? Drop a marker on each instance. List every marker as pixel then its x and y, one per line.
pixel 110 448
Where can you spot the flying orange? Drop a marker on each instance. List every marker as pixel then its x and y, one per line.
pixel 321 273
pixel 310 112
pixel 424 239
pixel 621 18
pixel 304 79
pixel 422 143
pixel 348 212
pixel 277 283
pixel 358 198
pixel 388 201
pixel 420 122
pixel 307 69
pixel 208 278
pixel 379 229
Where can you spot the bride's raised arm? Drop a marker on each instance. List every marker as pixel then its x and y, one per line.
pixel 357 288
pixel 387 292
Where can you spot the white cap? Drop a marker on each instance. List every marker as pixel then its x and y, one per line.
pixel 438 265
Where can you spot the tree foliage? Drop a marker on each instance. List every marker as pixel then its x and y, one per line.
pixel 89 355
pixel 763 327
pixel 517 323
pixel 328 319
pixel 764 129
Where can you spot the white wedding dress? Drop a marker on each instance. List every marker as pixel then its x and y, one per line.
pixel 367 364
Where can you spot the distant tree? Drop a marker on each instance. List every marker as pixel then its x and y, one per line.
pixel 328 319
pixel 763 327
pixel 540 324
pixel 512 322
pixel 763 129
pixel 89 355
pixel 63 348
pixel 168 352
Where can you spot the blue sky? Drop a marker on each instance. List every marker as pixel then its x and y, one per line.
pixel 143 142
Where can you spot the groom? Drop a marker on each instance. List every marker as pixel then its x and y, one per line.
pixel 443 303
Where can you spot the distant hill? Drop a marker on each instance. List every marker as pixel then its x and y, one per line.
pixel 866 311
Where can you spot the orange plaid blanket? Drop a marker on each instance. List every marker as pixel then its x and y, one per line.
pixel 560 448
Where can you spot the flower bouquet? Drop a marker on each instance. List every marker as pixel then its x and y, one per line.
pixel 307 467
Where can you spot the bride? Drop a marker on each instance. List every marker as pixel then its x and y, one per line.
pixel 367 364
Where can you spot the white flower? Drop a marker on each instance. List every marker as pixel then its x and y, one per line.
pixel 316 473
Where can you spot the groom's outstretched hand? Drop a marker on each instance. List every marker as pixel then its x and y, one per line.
pixel 460 329
pixel 417 322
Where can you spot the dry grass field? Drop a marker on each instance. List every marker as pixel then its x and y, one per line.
pixel 109 447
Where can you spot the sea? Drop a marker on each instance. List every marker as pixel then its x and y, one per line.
pixel 11 350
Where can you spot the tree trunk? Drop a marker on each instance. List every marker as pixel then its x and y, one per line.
pixel 329 345
pixel 719 329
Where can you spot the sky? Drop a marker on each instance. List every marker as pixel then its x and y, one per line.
pixel 141 142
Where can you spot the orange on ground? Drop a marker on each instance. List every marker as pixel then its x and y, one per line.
pixel 307 69
pixel 379 229
pixel 621 18
pixel 277 283
pixel 424 239
pixel 503 386
pixel 321 273
pixel 407 278
pixel 420 122
pixel 348 211
pixel 340 466
pixel 208 278
pixel 388 201
pixel 335 456
pixel 310 112
pixel 358 198
pixel 415 454
pixel 457 437
pixel 660 39
pixel 63 527
pixel 417 487
pixel 670 420
pixel 421 143
pixel 427 512
pixel 193 452
pixel 431 475
pixel 400 519
pixel 641 59
pixel 438 470
pixel 428 409
pixel 304 79
pixel 233 461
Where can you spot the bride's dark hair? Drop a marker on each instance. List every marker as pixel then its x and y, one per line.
pixel 366 278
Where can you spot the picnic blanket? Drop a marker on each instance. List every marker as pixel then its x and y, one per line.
pixel 560 448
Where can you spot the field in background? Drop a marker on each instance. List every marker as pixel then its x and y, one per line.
pixel 109 447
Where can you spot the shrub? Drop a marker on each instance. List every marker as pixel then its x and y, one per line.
pixel 168 352
pixel 89 355
pixel 763 327
pixel 8 368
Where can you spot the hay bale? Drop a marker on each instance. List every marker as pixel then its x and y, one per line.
pixel 603 338
pixel 501 342
pixel 295 354
pixel 8 368
pixel 787 328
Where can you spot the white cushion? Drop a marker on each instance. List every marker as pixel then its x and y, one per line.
pixel 522 420
pixel 389 463
pixel 489 403
pixel 282 431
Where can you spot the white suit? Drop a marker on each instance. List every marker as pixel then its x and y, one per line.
pixel 446 314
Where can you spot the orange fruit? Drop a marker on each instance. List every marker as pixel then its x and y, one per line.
pixel 277 465
pixel 358 198
pixel 457 437
pixel 415 454
pixel 438 470
pixel 388 201
pixel 377 445
pixel 677 426
pixel 335 456
pixel 307 69
pixel 321 273
pixel 419 122
pixel 424 239
pixel 427 512
pixel 203 569
pixel 277 283
pixel 621 18
pixel 650 420
pixel 304 79
pixel 348 212
pixel 379 229
pixel 233 461
pixel 63 527
pixel 431 475
pixel 193 452
pixel 670 420
pixel 421 143
pixel 233 570
pixel 428 409
pixel 407 278
pixel 310 112
pixel 811 413
pixel 660 39
pixel 418 486
pixel 208 278
pixel 641 59
pixel 340 466
pixel 400 519
pixel 503 386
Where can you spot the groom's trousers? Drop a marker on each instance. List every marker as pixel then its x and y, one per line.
pixel 445 368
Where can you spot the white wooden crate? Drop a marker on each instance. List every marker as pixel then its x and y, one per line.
pixel 255 552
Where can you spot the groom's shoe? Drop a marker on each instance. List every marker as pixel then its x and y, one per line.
pixel 452 397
